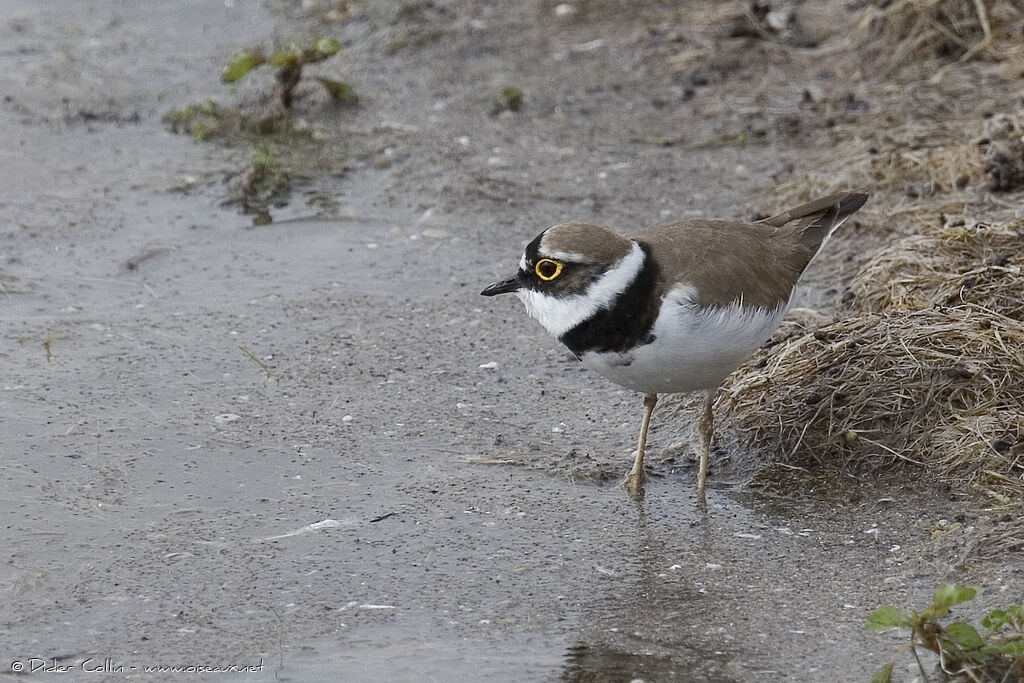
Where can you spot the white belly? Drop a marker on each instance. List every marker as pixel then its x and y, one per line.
pixel 694 349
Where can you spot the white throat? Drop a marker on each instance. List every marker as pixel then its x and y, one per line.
pixel 559 314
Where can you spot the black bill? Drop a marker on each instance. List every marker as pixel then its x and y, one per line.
pixel 503 287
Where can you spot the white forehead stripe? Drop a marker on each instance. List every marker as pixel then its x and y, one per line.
pixel 570 256
pixel 559 314
pixel 567 256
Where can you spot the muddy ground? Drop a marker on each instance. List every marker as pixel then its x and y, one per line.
pixel 404 481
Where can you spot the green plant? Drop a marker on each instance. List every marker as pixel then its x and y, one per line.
pixel 289 60
pixel 995 653
pixel 508 99
pixel 264 183
pixel 200 120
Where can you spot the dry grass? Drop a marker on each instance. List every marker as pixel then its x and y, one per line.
pixel 979 264
pixel 913 160
pixel 927 376
pixel 1005 539
pixel 910 381
pixel 920 138
pixel 922 176
pixel 941 389
pixel 901 36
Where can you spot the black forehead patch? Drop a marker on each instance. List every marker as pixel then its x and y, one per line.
pixel 532 250
pixel 574 279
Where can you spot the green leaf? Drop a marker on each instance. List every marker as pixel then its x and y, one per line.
pixel 995 619
pixel 282 59
pixel 288 54
pixel 241 63
pixel 964 635
pixel 950 594
pixel 326 46
pixel 1016 613
pixel 1013 647
pixel 934 612
pixel 262 158
pixel 883 675
pixel 885 618
pixel 202 131
pixel 512 98
pixel 1010 647
pixel 342 92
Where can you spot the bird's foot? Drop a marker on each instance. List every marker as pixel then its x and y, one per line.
pixel 634 483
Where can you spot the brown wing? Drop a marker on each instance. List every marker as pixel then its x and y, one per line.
pixel 758 262
pixel 727 260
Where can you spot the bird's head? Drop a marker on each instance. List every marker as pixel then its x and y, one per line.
pixel 569 272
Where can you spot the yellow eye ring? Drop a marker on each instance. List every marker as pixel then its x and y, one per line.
pixel 548 269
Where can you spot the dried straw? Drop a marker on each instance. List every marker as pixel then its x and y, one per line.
pixel 914 160
pixel 929 374
pixel 894 36
pixel 978 264
pixel 940 388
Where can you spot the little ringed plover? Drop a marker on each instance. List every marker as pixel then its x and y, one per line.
pixel 674 308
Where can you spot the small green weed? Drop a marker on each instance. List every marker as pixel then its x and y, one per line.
pixel 208 120
pixel 993 654
pixel 508 99
pixel 289 60
pixel 263 184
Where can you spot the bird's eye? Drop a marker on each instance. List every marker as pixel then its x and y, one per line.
pixel 548 269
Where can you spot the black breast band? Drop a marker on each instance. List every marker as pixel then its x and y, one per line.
pixel 626 323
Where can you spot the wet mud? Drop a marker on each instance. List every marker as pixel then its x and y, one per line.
pixel 310 448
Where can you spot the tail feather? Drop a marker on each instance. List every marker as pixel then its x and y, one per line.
pixel 815 221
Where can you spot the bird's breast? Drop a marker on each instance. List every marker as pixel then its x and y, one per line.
pixel 692 348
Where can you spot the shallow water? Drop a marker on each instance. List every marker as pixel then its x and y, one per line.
pixel 328 508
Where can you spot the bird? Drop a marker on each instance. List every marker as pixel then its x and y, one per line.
pixel 674 308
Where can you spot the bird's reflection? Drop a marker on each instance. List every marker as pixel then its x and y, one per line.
pixel 640 630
